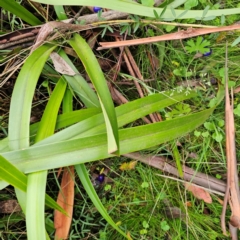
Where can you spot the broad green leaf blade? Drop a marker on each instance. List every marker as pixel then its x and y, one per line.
pixel 63 120
pixel 126 113
pixel 96 75
pixel 47 124
pixel 12 175
pixel 87 184
pixel 35 211
pixel 21 102
pixel 18 10
pixel 16 178
pixel 95 147
pixel 67 102
pixel 138 9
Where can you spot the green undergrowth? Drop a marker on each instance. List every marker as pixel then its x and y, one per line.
pixel 145 202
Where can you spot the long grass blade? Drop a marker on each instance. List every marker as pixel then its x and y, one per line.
pixel 59 10
pixel 21 101
pixel 63 120
pixel 125 114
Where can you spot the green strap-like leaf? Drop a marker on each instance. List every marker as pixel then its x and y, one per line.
pixel 21 104
pixel 94 148
pixel 95 73
pixel 138 9
pixel 20 109
pixel 18 10
pixel 16 178
pixel 125 114
pixel 63 120
pixel 12 175
pixel 21 101
pixel 35 211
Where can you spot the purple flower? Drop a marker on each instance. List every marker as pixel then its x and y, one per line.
pixel 97 9
pixel 206 54
pixel 100 178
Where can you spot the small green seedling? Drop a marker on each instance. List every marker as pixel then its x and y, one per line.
pixel 164 226
pixel 236 111
pixel 107 187
pixel 102 235
pixel 198 46
pixel 179 110
pixel 214 129
pixel 221 73
pixel 145 227
pixel 145 185
pixel 182 72
pixel 218 176
pixel 105 28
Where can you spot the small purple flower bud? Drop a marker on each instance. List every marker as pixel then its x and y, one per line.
pixel 100 178
pixel 206 54
pixel 97 9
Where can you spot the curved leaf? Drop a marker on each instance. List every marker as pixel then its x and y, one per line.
pixel 94 148
pixel 96 75
pixel 21 101
pixel 18 10
pixel 138 9
pixel 126 113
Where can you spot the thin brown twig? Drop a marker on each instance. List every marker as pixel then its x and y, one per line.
pixel 232 194
pixel 136 73
pixel 120 99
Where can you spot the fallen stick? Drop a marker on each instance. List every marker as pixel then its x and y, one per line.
pixel 189 33
pixel 189 174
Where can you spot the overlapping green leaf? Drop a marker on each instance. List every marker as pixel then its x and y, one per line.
pixel 18 10
pixel 63 120
pixel 138 9
pixel 126 113
pixel 21 101
pixel 35 214
pixel 94 148
pixel 96 75
pixel 21 104
pixel 60 12
pixel 80 85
